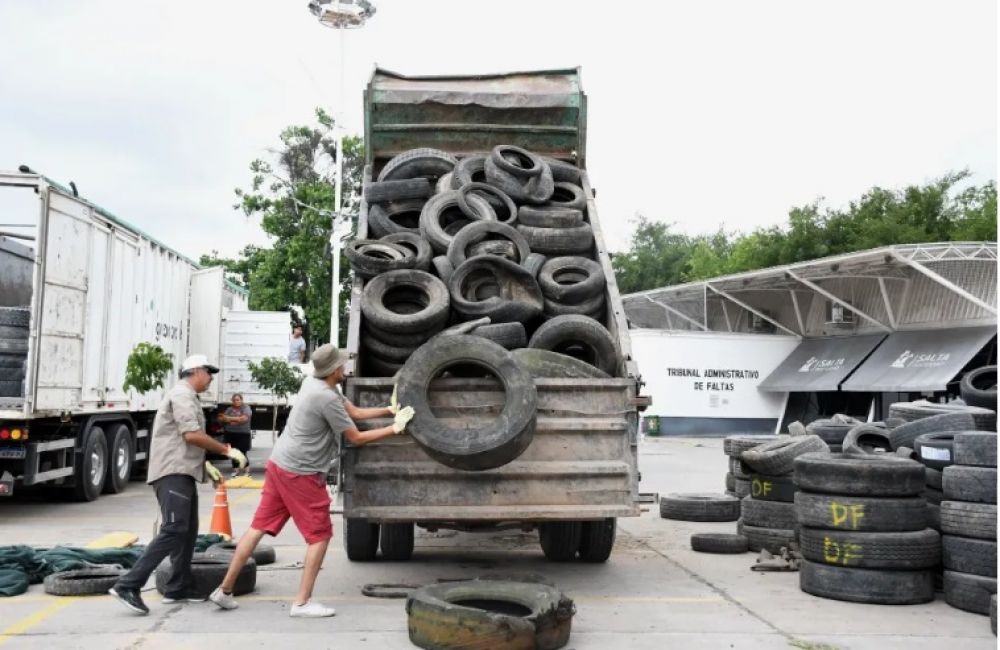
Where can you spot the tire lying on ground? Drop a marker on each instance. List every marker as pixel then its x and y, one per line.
pixel 469 444
pixel 969 592
pixel 778 456
pixel 971 484
pixel 976 448
pixel 207 573
pixel 769 539
pixel 580 337
pixel 916 549
pixel 264 554
pixel 866 475
pixel 699 507
pixel 83 582
pixel 859 513
pixel 866 585
pixel 495 287
pixel 547 364
pixel 718 543
pixel 979 387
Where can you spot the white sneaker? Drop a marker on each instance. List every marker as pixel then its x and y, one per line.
pixel 223 600
pixel 311 610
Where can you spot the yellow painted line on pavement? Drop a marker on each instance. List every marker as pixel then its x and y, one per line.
pixel 117 539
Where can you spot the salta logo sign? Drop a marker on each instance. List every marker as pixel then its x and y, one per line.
pixel 910 359
pixel 815 364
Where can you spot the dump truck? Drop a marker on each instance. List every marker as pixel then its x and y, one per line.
pixel 579 473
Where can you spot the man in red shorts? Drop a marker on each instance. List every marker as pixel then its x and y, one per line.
pixel 295 476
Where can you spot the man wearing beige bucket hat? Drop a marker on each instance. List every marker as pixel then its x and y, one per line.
pixel 295 476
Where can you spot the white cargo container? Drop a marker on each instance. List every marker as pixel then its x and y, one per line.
pixel 252 336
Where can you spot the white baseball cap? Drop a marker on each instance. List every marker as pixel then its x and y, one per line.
pixel 196 361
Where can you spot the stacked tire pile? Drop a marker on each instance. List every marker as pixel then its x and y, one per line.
pixel 495 245
pixel 738 476
pixel 832 430
pixel 13 350
pixel 863 529
pixel 969 522
pixel 768 513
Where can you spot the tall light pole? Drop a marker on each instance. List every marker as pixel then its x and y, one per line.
pixel 339 15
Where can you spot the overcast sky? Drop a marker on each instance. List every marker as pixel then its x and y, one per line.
pixel 701 112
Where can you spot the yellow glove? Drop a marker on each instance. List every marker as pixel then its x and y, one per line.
pixel 404 415
pixel 237 455
pixel 213 472
pixel 393 404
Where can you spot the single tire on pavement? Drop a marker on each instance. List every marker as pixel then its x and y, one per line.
pixel 866 585
pixel 867 475
pixel 207 573
pixel 718 543
pixel 966 555
pixel 778 457
pixel 699 507
pixel 264 553
pixel 972 484
pixel 862 514
pixel 83 582
pixel 977 520
pixel 976 448
pixel 969 592
pixel 917 549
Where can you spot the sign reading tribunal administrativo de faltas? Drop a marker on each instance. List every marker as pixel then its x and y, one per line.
pixel 714 378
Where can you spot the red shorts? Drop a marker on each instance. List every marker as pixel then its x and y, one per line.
pixel 303 497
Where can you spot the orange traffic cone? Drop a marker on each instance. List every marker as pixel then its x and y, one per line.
pixel 221 523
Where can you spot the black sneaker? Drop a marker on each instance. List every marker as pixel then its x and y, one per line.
pixel 185 596
pixel 130 598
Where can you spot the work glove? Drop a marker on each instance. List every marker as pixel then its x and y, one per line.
pixel 237 455
pixel 213 472
pixel 393 404
pixel 403 416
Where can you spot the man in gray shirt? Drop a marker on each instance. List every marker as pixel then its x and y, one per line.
pixel 295 477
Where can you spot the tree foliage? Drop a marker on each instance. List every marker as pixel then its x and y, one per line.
pixel 147 368
pixel 278 378
pixel 936 211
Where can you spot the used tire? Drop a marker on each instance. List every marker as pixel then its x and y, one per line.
pixel 580 337
pixel 742 488
pixel 769 539
pixel 933 496
pixel 360 539
pixel 730 482
pixel 772 488
pixel 979 387
pixel 207 573
pixel 560 540
pixel 443 268
pixel 976 448
pixel 830 431
pixel 866 585
pixel 549 216
pixel 737 444
pixel 934 478
pixel 484 446
pixel 263 555
pixel 597 539
pixel 386 351
pixel 778 456
pixel 14 333
pixel 563 172
pixel 370 257
pixel 574 240
pixel 416 244
pixel 121 454
pixel 767 514
pixel 442 211
pixel 977 520
pixel 397 339
pixel 592 308
pixel 972 484
pixel 476 232
pixel 739 469
pixel 536 189
pixel 409 188
pixel 426 163
pixel 510 336
pixel 571 280
pixel 859 475
pixel 494 196
pixel 568 195
pixel 398 216
pixel 935 450
pixel 514 295
pixel 91 466
pixel 866 439
pixel 966 555
pixel 905 435
pixel 533 264
pixel 396 541
pixel 917 549
pixel 969 592
pixel 718 543
pixel 428 292
pixel 699 507
pixel 862 514
pixel 545 363
pixel 83 582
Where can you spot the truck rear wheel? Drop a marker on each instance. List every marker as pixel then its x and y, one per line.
pixel 120 457
pixel 91 469
pixel 560 540
pixel 597 538
pixel 397 541
pixel 360 539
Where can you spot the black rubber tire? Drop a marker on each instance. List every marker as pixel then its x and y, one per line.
pixel 562 171
pixel 263 555
pixel 699 507
pixel 418 163
pixel 719 543
pixel 737 444
pixel 769 539
pixel 13 346
pixel 408 188
pixel 979 387
pixel 730 482
pixel 738 469
pixel 396 541
pixel 437 233
pixel 14 333
pixel 560 540
pixel 869 586
pixel 89 484
pixel 830 431
pixel 767 514
pixel 361 538
pixel 934 516
pixel 375 367
pixel 579 336
pixel 516 161
pixel 398 216
pixel 497 199
pixel 510 336
pixel 571 280
pixel 935 450
pixel 977 520
pixel 862 514
pixel 976 448
pixel 397 339
pixel 592 308
pixel 933 496
pixel 777 457
pixel 443 268
pixel 518 298
pixel 470 169
pixel 934 478
pixel 14 316
pixel 533 263
pixel 386 351
pixel 866 439
pixel 967 555
pixel 121 454
pixel 477 232
pixel 549 216
pixel 499 248
pixel 906 435
pixel 416 244
pixel 597 540
pixel 83 582
pixel 917 549
pixel 487 446
pixel 370 257
pixel 548 364
pixel 971 484
pixel 207 574
pixel 568 195
pixel 742 488
pixel 534 189
pixel 773 488
pixel 575 240
pixel 969 592
pixel 434 296
pixel 867 475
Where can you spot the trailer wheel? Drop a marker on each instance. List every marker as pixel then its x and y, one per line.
pixel 396 541
pixel 560 540
pixel 360 539
pixel 120 459
pixel 597 539
pixel 91 467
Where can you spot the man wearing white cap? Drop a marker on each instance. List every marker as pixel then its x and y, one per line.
pixel 295 477
pixel 176 461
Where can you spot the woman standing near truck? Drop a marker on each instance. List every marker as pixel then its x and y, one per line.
pixel 236 421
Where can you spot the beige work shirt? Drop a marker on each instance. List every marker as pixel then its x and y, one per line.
pixel 179 413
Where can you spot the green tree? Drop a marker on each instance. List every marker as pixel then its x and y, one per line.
pixel 279 379
pixel 147 368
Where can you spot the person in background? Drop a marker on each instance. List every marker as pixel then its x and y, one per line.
pixel 296 346
pixel 236 424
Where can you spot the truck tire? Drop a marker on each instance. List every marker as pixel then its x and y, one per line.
pixel 83 582
pixel 14 316
pixel 866 585
pixel 568 195
pixel 866 439
pixel 772 488
pixel 969 592
pixel 549 216
pixel 510 336
pixel 917 549
pixel 397 541
pixel 398 216
pixel 581 337
pixel 862 514
pixel 407 188
pixel 503 205
pixel 487 445
pixel 207 573
pixel 977 520
pixel 768 539
pixel 263 555
pixel 976 448
pixel 597 539
pixel 477 232
pixel 767 514
pixel 560 540
pixel 972 484
pixel 966 555
pixel 445 205
pixel 424 162
pixel 935 450
pixel 518 298
pixel 574 240
pixel 719 543
pixel 430 292
pixel 121 454
pixel 979 387
pixel 699 507
pixel 571 280
pixel 867 475
pixel 778 456
pixel 360 539
pixel 547 364
pixel 91 466
pixel 737 444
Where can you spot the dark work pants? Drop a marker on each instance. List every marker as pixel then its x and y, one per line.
pixel 178 498
pixel 239 441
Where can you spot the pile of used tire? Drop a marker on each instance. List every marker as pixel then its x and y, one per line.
pixel 832 430
pixel 13 350
pixel 738 476
pixel 496 245
pixel 863 529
